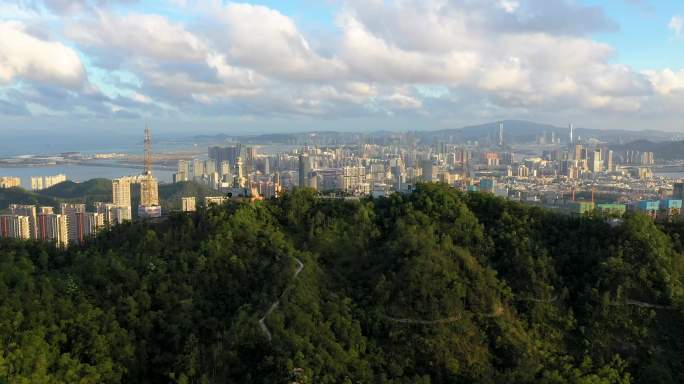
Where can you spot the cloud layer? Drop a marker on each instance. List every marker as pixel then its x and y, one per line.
pixel 435 59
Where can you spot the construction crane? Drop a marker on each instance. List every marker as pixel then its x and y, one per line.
pixel 148 151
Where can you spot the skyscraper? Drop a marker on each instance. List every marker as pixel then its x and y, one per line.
pixel 428 171
pixel 572 135
pixel 304 170
pixel 596 164
pixel 501 134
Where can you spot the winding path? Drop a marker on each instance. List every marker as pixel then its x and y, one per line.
pixel 447 320
pixel 640 304
pixel 276 304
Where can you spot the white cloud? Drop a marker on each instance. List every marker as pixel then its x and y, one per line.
pixel 24 56
pixel 486 57
pixel 265 40
pixel 143 35
pixel 667 82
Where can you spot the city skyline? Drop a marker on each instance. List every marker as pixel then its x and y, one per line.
pixel 275 66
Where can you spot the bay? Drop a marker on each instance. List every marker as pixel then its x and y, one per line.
pixel 80 173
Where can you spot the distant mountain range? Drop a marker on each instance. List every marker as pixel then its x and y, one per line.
pixel 670 150
pixel 515 132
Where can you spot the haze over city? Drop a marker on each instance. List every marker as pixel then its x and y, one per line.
pixel 190 67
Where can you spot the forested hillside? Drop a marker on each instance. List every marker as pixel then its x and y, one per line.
pixel 432 287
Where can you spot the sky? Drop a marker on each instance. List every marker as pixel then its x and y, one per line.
pixel 105 67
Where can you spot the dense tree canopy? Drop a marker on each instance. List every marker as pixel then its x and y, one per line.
pixel 432 287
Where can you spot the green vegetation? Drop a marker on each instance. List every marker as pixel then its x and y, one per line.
pixel 19 195
pixel 95 190
pixel 432 287
pixel 170 194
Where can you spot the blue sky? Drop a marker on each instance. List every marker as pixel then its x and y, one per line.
pixel 192 66
pixel 644 39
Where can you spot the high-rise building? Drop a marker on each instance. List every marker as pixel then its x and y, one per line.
pixel 221 154
pixel 197 168
pixel 45 182
pixel 94 222
pixel 578 152
pixel 46 210
pixel 15 226
pixel 76 221
pixel 149 191
pixel 429 173
pixel 209 166
pixel 36 183
pixel 52 227
pixel 501 134
pixel 239 181
pixel 609 161
pixel 10 182
pixel 354 179
pixel 572 136
pixel 267 165
pixel 121 189
pixel 225 171
pixel 183 172
pixel 304 170
pixel 230 154
pixel 596 165
pixel 28 211
pixel 112 213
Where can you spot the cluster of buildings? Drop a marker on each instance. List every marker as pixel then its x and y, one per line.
pixel 575 177
pixel 72 225
pixel 551 172
pixel 37 182
pixel 149 206
pixel 10 182
pixel 234 170
pixel 44 182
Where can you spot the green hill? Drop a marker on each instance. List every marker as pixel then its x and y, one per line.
pixel 170 194
pixel 432 287
pixel 96 190
pixel 21 196
pixel 71 190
